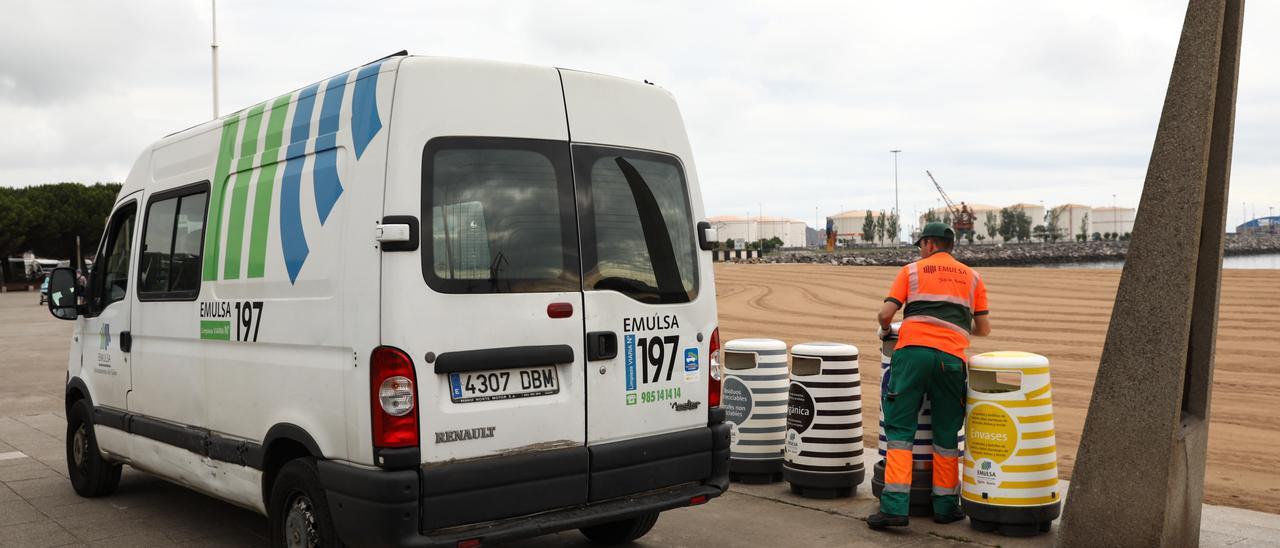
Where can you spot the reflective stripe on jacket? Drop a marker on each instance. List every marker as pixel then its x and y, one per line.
pixel 941 296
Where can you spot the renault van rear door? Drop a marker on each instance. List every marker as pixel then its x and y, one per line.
pixel 489 305
pixel 648 301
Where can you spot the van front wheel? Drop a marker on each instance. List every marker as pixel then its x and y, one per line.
pixel 299 512
pixel 91 475
pixel 621 532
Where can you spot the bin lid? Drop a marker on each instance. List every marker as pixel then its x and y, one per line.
pixel 824 349
pixel 1008 360
pixel 754 345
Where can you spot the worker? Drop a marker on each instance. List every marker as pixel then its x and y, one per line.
pixel 945 302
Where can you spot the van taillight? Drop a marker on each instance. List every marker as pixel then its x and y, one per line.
pixel 394 398
pixel 713 387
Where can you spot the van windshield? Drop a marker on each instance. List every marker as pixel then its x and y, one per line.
pixel 637 230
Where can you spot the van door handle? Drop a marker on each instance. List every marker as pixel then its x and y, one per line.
pixel 511 357
pixel 397 233
pixel 126 341
pixel 602 345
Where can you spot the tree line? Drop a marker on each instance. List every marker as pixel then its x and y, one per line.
pixel 46 219
pixel 1013 224
pixel 878 228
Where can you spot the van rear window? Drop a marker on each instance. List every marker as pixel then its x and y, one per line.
pixel 501 216
pixel 637 229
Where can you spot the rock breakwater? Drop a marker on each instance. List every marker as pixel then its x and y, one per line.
pixel 1024 254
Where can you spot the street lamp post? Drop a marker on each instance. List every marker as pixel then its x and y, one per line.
pixel 213 47
pixel 1115 217
pixel 895 188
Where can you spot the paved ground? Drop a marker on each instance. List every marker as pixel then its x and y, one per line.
pixel 38 507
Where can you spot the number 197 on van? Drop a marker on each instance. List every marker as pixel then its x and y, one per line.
pixel 503 385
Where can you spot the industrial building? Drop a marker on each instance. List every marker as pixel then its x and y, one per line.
pixel 1070 217
pixel 1096 219
pixel 979 216
pixel 848 224
pixel 1261 225
pixel 1116 220
pixel 1034 211
pixel 749 229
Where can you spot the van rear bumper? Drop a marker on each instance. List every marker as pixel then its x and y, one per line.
pixel 395 508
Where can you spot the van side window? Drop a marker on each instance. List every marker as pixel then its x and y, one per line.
pixel 637 233
pixel 111 266
pixel 172 241
pixel 501 216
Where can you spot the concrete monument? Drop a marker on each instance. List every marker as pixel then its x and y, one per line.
pixel 1139 474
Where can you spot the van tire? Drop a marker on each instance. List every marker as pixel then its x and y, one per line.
pixel 621 532
pixel 299 507
pixel 91 475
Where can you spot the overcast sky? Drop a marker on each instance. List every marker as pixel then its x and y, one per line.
pixel 790 106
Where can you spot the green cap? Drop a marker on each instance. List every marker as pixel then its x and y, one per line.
pixel 936 230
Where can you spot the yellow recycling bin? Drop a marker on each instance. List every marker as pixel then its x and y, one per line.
pixel 1010 482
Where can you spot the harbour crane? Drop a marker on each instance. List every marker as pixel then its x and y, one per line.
pixel 961 217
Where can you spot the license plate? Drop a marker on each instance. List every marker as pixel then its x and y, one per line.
pixel 503 384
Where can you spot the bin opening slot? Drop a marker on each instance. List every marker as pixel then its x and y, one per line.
pixel 739 360
pixel 994 382
pixel 805 365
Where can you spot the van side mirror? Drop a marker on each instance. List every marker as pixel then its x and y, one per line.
pixel 703 243
pixel 62 294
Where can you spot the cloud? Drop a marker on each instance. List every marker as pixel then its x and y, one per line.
pixel 789 106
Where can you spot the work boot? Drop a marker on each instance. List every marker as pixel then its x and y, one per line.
pixel 954 516
pixel 880 520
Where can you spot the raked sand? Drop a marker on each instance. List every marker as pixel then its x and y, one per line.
pixel 1062 314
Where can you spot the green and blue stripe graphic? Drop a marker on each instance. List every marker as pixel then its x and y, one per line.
pixel 232 196
pixel 292 240
pixel 328 187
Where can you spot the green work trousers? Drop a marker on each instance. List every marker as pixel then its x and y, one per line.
pixel 914 372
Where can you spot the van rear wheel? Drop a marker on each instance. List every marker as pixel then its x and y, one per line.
pixel 91 475
pixel 622 531
pixel 299 512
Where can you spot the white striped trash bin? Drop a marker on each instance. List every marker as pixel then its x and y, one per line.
pixel 921 500
pixel 755 404
pixel 824 421
pixel 1010 480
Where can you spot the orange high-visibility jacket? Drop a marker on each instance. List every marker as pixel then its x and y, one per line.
pixel 941 297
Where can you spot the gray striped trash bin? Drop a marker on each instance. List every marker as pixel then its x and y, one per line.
pixel 823 449
pixel 755 403
pixel 921 501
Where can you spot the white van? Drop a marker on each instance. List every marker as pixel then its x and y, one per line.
pixel 424 302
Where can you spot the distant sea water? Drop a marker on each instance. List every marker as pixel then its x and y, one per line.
pixel 1247 262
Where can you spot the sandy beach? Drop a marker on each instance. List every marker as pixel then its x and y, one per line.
pixel 1059 313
